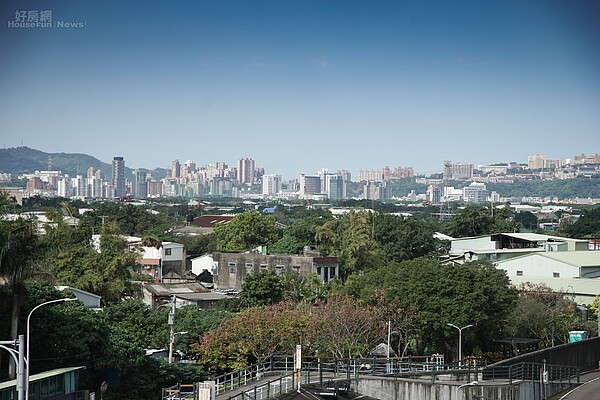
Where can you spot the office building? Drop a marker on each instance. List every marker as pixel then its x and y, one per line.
pixel 140 184
pixel 309 186
pixel 118 176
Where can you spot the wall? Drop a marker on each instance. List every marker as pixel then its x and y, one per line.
pixel 225 279
pixel 391 389
pixel 412 389
pixel 536 265
pixel 584 354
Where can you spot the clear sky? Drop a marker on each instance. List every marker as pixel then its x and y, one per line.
pixel 304 85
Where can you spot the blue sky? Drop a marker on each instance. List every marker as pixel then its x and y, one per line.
pixel 304 85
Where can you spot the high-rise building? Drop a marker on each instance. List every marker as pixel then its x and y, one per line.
pixel 456 171
pixel 434 194
pixel 375 191
pixel 140 184
pixel 118 176
pixel 245 171
pixel 335 187
pixel 271 184
pixel 309 186
pixel 175 169
pixel 476 192
pixel 79 186
pixel 64 188
pixel 535 162
pixel 371 175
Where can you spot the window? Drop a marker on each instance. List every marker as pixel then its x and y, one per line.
pixel 264 266
pixel 279 269
pixel 249 268
pixel 167 252
pixel 232 268
pixel 215 268
pixel 519 273
pixel 556 274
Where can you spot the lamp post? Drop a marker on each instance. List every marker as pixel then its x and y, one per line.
pixel 27 360
pixel 460 340
pixel 172 342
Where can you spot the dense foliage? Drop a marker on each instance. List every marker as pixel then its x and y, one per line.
pixel 434 290
pixel 389 275
pixel 246 231
pixel 588 225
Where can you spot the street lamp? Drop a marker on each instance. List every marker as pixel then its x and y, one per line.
pixel 460 340
pixel 27 361
pixel 172 341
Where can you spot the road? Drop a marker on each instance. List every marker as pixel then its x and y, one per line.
pixel 589 388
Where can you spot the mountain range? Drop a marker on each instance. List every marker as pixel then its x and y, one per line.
pixel 24 160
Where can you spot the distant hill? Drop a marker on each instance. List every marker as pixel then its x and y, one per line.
pixel 23 160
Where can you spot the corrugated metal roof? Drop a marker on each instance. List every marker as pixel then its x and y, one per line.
pixel 576 258
pixel 501 251
pixel 575 286
pixel 539 237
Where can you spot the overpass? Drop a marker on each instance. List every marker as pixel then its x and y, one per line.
pixel 532 376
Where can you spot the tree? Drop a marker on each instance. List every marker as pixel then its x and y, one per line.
pixel 252 335
pixel 403 238
pixel 527 220
pixel 302 227
pixel 247 230
pixel 304 289
pixel 543 314
pixel 262 288
pixel 20 249
pixel 341 328
pixel 588 225
pixel 477 221
pixel 459 294
pixel 350 238
pixel 106 273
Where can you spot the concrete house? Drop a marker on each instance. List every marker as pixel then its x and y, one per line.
pixel 230 269
pixel 504 246
pixel 575 273
pixel 152 261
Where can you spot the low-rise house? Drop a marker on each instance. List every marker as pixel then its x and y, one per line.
pixel 157 262
pixel 577 264
pixel 153 261
pixel 203 263
pixel 90 300
pixel 504 246
pixel 157 294
pixel 230 269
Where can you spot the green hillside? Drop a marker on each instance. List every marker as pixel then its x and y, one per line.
pixel 19 160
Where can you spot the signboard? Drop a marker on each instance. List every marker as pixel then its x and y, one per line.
pixel 206 390
pixel 298 357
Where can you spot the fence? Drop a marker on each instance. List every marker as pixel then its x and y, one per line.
pixel 315 370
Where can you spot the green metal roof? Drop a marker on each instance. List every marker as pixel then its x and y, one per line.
pixel 41 375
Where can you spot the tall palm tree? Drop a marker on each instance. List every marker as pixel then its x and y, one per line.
pixel 20 247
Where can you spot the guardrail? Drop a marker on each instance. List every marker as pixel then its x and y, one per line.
pixel 271 389
pixel 315 370
pixel 533 372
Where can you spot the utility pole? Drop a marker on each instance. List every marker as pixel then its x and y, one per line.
pixel 19 358
pixel 172 330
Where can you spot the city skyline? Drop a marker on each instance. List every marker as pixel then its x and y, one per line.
pixel 299 86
